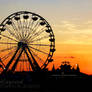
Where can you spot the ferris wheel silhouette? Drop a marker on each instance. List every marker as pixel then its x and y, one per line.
pixel 27 42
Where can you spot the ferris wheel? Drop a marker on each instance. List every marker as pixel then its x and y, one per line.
pixel 27 42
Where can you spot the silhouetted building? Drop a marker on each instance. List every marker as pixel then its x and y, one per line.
pixel 65 67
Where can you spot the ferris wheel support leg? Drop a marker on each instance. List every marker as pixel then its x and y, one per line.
pixel 29 60
pixel 7 66
pixel 15 64
pixel 44 67
pixel 37 68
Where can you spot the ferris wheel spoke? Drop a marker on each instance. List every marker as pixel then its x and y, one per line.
pixel 31 25
pixel 7 43
pixel 38 50
pixel 30 22
pixel 8 37
pixel 36 25
pixel 7 55
pixel 40 44
pixel 20 24
pixel 16 30
pixel 19 29
pixel 22 28
pixel 34 28
pixel 27 31
pixel 13 34
pixel 7 49
pixel 39 39
pixel 25 22
pixel 37 56
pixel 37 34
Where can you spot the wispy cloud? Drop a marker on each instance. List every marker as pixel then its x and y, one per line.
pixel 65 26
pixel 71 32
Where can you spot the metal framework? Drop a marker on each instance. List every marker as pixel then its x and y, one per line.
pixel 27 42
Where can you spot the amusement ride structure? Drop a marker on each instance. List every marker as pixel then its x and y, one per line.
pixel 27 42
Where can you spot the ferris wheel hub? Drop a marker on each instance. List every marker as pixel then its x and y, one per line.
pixel 22 45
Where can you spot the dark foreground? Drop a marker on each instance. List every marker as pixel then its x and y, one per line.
pixel 42 81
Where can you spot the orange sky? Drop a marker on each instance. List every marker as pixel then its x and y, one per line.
pixel 76 54
pixel 71 21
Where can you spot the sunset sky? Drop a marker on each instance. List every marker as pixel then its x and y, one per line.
pixel 71 21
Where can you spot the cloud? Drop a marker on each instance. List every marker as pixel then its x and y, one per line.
pixel 72 57
pixel 72 32
pixel 68 26
pixel 88 22
pixel 65 26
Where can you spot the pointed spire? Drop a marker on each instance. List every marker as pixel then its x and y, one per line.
pixel 53 68
pixel 78 69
